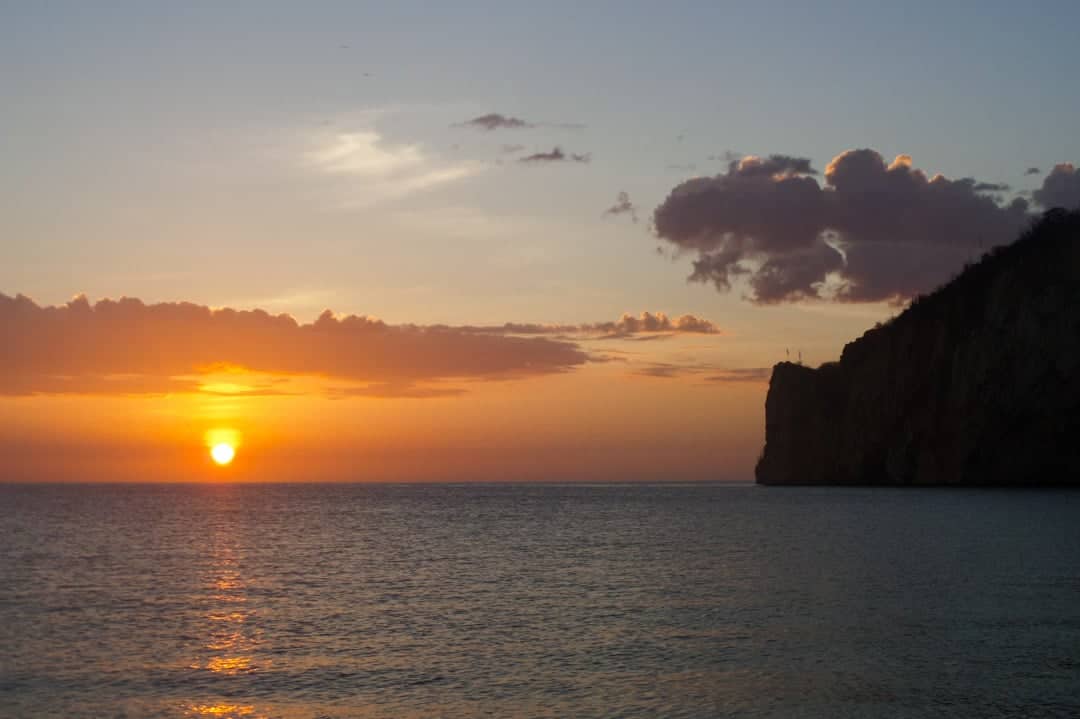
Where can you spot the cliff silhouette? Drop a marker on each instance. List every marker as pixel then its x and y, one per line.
pixel 977 383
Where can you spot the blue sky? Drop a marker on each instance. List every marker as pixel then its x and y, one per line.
pixel 159 150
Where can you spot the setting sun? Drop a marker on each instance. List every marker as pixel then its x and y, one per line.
pixel 222 453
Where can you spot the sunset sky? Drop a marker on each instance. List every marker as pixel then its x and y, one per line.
pixel 394 241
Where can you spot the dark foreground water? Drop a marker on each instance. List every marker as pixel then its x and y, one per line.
pixel 569 601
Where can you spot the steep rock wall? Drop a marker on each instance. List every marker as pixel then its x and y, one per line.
pixel 976 384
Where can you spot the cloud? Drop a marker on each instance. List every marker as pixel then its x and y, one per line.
pixel 1060 188
pixel 623 206
pixel 378 171
pixel 627 326
pixel 742 374
pixel 128 347
pixel 990 187
pixel 873 231
pixel 496 121
pixel 1032 171
pixel 661 370
pixel 727 156
pixel 390 390
pixel 754 166
pixel 511 149
pixel 556 155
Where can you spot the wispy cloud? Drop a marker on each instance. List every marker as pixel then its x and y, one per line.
pixel 556 155
pixel 377 171
pixel 710 373
pixel 496 121
pixel 741 374
pixel 391 390
pixel 623 206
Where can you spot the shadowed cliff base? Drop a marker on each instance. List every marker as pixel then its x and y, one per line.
pixel 977 383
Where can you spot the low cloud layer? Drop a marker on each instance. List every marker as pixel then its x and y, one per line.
pixel 872 231
pixel 556 155
pixel 627 326
pixel 128 347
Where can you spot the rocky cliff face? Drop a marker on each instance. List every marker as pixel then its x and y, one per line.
pixel 975 384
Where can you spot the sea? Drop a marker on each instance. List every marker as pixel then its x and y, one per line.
pixel 537 600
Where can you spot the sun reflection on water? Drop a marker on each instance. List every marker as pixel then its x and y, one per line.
pixel 221 710
pixel 229 665
pixel 230 645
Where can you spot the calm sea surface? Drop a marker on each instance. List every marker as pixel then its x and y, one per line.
pixel 569 601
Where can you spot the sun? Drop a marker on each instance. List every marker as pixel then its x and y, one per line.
pixel 222 453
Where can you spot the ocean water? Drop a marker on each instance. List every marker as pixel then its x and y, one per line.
pixel 537 601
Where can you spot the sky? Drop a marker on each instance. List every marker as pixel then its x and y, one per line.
pixel 486 197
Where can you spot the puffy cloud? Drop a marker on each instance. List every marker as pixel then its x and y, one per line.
pixel 128 347
pixel 496 121
pixel 556 155
pixel 752 165
pixel 873 231
pixel 1060 188
pixel 623 206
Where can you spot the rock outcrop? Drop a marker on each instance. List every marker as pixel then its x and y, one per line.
pixel 975 384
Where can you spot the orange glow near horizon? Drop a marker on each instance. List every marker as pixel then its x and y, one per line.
pixel 600 423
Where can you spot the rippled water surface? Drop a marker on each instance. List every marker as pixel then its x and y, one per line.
pixel 571 601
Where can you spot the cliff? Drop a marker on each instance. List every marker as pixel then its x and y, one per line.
pixel 975 384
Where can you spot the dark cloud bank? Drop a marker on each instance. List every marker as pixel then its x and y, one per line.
pixel 128 347
pixel 871 231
